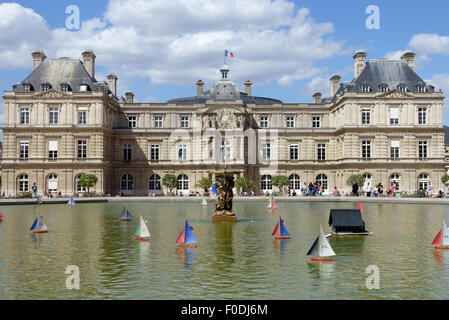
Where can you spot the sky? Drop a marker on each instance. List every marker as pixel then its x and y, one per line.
pixel 288 48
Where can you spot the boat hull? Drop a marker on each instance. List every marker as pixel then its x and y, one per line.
pixel 442 248
pixel 38 232
pixel 322 260
pixel 187 246
pixel 282 238
pixel 140 239
pixel 367 233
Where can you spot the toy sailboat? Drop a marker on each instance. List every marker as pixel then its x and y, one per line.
pixel 442 238
pixel 280 231
pixel 203 202
pixel 272 205
pixel 141 232
pixel 321 248
pixel 186 238
pixel 358 206
pixel 39 226
pixel 2 217
pixel 125 215
pixel 71 202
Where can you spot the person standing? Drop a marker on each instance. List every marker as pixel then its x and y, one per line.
pixel 429 189
pixel 355 189
pixel 369 188
pixel 34 189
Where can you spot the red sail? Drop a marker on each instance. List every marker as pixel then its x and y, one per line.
pixel 273 205
pixel 181 237
pixel 276 230
pixel 437 239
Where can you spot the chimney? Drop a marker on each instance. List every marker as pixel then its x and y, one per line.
pixel 335 84
pixel 129 97
pixel 248 85
pixel 317 97
pixel 38 58
pixel 409 58
pixel 359 63
pixel 199 87
pixel 112 83
pixel 89 62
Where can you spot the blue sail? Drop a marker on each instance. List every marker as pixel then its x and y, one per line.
pixel 34 226
pixel 189 236
pixel 284 231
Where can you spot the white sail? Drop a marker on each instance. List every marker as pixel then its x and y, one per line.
pixel 325 249
pixel 313 251
pixel 143 231
pixel 43 228
pixel 445 240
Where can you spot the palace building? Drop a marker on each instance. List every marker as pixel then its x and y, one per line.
pixel 60 123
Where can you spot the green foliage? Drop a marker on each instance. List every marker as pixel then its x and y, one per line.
pixel 204 183
pixel 244 183
pixel 445 178
pixel 88 181
pixel 280 181
pixel 359 178
pixel 170 181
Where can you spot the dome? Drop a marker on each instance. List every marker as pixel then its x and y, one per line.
pixel 225 90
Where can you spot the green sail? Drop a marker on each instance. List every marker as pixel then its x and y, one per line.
pixel 136 231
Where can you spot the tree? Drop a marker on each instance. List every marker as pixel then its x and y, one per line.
pixel 204 183
pixel 170 181
pixel 445 178
pixel 88 181
pixel 244 183
pixel 280 181
pixel 359 178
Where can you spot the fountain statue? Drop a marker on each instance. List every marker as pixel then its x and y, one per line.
pixel 223 206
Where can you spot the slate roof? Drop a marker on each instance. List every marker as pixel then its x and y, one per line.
pixel 243 96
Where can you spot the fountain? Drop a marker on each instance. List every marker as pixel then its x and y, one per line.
pixel 223 206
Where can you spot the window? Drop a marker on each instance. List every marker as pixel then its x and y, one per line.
pixel 322 181
pixel 295 182
pixel 64 87
pixel 368 178
pixel 27 87
pixel 45 87
pixel 264 122
pixel 422 115
pixel 321 151
pixel 53 115
pixel 84 87
pixel 383 89
pixel 23 183
pixel 182 152
pixel 132 122
pixel 184 122
pixel 316 122
pixel 394 115
pixel 266 151
pixel 365 88
pixel 183 182
pixel 158 122
pixel 395 179
pixel 127 152
pixel 265 183
pixel 82 116
pixel 421 89
pixel 24 149
pixel 366 149
pixel 366 116
pixel 154 152
pixel 422 149
pixel 225 150
pixel 394 153
pixel 82 149
pixel 294 152
pixel 423 181
pixel 127 182
pixel 24 115
pixel 290 122
pixel 402 88
pixel 52 183
pixel 155 183
pixel 53 149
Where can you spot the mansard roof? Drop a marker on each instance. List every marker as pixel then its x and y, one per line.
pixel 206 96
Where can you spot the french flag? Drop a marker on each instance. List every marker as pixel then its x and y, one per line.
pixel 229 54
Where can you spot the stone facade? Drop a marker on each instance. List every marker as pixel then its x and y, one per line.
pixel 54 133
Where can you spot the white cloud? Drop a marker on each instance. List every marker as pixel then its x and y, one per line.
pixel 430 43
pixel 181 41
pixel 317 84
pixel 420 59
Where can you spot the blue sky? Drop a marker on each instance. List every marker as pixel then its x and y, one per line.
pixel 288 49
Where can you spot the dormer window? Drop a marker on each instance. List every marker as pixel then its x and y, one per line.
pixel 27 87
pixel 402 88
pixel 421 89
pixel 365 88
pixel 383 89
pixel 84 87
pixel 46 86
pixel 65 87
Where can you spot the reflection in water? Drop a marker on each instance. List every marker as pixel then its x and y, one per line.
pixel 187 256
pixel 280 247
pixel 438 254
pixel 323 270
pixel 224 249
pixel 143 250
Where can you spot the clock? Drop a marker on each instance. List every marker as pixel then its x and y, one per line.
pixel 225 117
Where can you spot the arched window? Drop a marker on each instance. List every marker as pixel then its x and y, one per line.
pixel 265 183
pixel 322 180
pixel 423 181
pixel 183 182
pixel 368 178
pixel 52 183
pixel 78 187
pixel 295 182
pixel 127 182
pixel 155 183
pixel 23 183
pixel 395 178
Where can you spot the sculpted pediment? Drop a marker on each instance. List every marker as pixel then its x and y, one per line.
pixel 52 93
pixel 395 94
pixel 224 117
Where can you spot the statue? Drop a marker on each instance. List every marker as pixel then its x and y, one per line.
pixel 223 207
